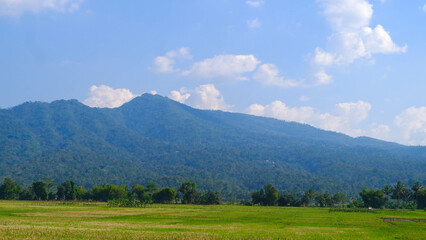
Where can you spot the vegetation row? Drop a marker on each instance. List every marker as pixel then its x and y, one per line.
pixel 396 196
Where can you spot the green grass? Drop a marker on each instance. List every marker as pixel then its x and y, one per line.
pixel 57 220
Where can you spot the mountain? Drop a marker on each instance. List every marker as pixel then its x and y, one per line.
pixel 153 138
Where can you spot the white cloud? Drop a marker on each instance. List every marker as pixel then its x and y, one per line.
pixel 412 124
pixel 223 66
pixel 280 110
pixel 253 3
pixel 179 96
pixel 253 24
pixel 202 97
pixel 15 8
pixel 381 131
pixel 268 74
pixel 322 78
pixel 354 111
pixel 347 14
pixel 166 64
pixel 345 120
pixel 322 58
pixel 424 8
pixel 182 52
pixel 353 38
pixel 106 97
pixel 303 98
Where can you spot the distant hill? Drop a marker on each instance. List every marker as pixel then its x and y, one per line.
pixel 153 138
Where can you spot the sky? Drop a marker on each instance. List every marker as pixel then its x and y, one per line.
pixel 352 66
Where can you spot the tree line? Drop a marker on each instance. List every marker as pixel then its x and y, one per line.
pixel 44 189
pixel 391 196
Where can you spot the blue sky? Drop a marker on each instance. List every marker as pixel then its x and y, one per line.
pixel 352 66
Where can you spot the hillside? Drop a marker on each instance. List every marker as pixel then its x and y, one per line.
pixel 153 138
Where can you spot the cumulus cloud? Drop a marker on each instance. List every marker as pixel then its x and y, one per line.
pixel 322 58
pixel 15 8
pixel 106 97
pixel 268 74
pixel 345 119
pixel 381 131
pixel 254 23
pixel 179 96
pixel 166 63
pixel 353 38
pixel 412 124
pixel 223 66
pixel 203 97
pixel 322 78
pixel 182 52
pixel 253 3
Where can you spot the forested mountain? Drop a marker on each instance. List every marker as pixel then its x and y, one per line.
pixel 153 138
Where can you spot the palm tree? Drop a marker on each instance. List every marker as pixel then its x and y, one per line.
pixel 400 192
pixel 416 188
pixel 387 190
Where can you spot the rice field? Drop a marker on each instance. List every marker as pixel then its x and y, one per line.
pixel 80 220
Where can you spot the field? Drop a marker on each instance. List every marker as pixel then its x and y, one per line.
pixel 78 220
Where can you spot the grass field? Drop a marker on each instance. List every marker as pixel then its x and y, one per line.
pixel 58 220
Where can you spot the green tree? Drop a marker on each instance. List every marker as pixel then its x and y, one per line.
pixel 339 198
pixel 257 197
pixel 266 196
pixel 39 190
pixel 166 195
pixel 9 190
pixel 210 198
pixel 271 195
pixel 387 189
pixel 81 193
pixel 400 192
pixel 138 191
pixel 324 200
pixel 308 196
pixel 50 183
pixel 108 192
pixel 421 199
pixel 189 192
pixel 416 187
pixel 67 190
pixel 373 198
pixel 289 199
pixel 151 189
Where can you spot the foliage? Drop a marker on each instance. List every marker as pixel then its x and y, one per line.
pixel 67 191
pixel 373 198
pixel 126 203
pixel 325 200
pixel 289 199
pixel 308 196
pixel 210 198
pixel 189 192
pixel 154 139
pixel 267 196
pixel 166 195
pixel 9 189
pixel 39 189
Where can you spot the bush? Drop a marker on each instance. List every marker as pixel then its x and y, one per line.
pixel 126 203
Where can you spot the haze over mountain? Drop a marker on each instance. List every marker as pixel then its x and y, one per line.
pixel 153 138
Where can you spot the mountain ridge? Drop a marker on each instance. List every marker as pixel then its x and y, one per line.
pixel 153 138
